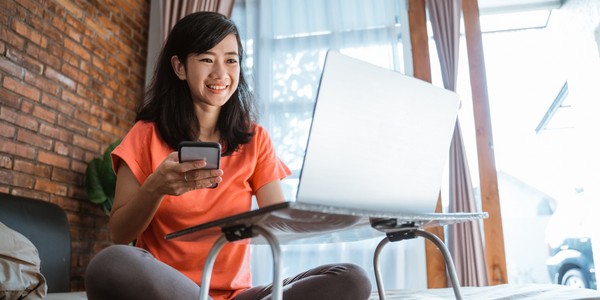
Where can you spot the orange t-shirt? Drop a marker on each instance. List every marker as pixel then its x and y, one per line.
pixel 244 172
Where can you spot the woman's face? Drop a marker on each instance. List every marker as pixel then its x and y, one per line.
pixel 212 76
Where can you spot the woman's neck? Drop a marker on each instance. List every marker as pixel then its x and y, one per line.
pixel 207 117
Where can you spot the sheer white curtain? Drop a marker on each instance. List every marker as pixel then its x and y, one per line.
pixel 286 42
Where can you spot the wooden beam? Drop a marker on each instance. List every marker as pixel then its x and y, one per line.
pixel 490 200
pixel 417 19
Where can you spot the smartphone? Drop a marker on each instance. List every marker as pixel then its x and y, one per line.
pixel 207 151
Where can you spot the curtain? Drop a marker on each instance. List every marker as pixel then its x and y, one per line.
pixel 464 240
pixel 175 10
pixel 286 42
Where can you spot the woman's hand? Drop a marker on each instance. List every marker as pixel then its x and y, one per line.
pixel 174 178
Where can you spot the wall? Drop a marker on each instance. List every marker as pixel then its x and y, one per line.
pixel 70 73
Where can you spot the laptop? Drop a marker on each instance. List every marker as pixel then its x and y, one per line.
pixel 377 147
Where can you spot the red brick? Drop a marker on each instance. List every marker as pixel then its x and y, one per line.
pixel 99 29
pixel 72 8
pixel 78 167
pixel 11 38
pixel 4 18
pixel 74 234
pixel 30 194
pixel 99 136
pixel 131 23
pixel 56 133
pixel 87 7
pixel 4 189
pixel 41 84
pixel 128 62
pixel 60 79
pixel 38 112
pixel 46 30
pixel 115 108
pixel 79 26
pixel 118 22
pixel 104 67
pixel 94 235
pixel 86 118
pixel 125 102
pixel 110 129
pixel 33 169
pixel 33 139
pixel 27 32
pixel 77 193
pixel 92 208
pixel 53 160
pixel 78 50
pixel 119 66
pixel 21 89
pixel 2 47
pixel 125 7
pixel 65 55
pixel 89 95
pixel 124 124
pixel 137 79
pixel 109 25
pixel 89 156
pixel 7 131
pixel 68 30
pixel 102 114
pixel 102 89
pixel 6 162
pixel 66 203
pixel 34 8
pixel 15 179
pixel 52 7
pixel 92 72
pixel 80 221
pixel 96 50
pixel 56 105
pixel 42 56
pixel 50 187
pixel 10 67
pixel 17 149
pixel 67 176
pixel 66 150
pixel 101 246
pixel 85 143
pixel 70 124
pixel 18 119
pixel 9 99
pixel 75 100
pixel 25 61
pixel 102 222
pixel 139 39
pixel 104 44
pixel 75 74
pixel 117 87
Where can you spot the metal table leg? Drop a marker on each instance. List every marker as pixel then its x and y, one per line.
pixel 208 266
pixel 435 240
pixel 277 293
pixel 380 288
pixel 449 263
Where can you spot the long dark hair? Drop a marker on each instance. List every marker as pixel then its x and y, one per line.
pixel 169 101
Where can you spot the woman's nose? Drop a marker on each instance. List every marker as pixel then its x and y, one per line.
pixel 219 70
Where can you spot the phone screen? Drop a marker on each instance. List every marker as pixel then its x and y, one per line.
pixel 209 152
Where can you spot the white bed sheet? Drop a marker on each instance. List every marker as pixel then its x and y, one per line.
pixel 499 292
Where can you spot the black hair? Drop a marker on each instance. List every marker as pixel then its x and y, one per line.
pixel 169 102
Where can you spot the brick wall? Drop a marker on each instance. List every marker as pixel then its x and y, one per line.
pixel 70 73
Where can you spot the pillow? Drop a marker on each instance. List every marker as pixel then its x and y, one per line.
pixel 20 276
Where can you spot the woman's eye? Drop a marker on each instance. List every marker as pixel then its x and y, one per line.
pixel 208 60
pixel 232 61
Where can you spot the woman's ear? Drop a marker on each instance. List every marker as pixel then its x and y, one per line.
pixel 178 67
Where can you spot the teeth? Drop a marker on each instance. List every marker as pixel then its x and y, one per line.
pixel 217 87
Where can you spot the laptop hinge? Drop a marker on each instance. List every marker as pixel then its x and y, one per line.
pixel 401 235
pixel 238 232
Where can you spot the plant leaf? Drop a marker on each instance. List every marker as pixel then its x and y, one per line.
pixel 93 184
pixel 107 174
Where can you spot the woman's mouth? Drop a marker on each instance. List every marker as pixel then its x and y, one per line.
pixel 216 87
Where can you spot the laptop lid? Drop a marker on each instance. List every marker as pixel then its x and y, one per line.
pixel 379 140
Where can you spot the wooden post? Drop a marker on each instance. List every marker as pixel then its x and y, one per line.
pixel 417 19
pixel 490 200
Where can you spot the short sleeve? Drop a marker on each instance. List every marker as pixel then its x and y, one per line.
pixel 268 166
pixel 135 151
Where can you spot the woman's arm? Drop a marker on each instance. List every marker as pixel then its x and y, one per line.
pixel 135 204
pixel 270 194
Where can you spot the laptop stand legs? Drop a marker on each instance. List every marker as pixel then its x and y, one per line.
pixel 436 241
pixel 277 293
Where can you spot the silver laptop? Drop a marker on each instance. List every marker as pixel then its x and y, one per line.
pixel 379 140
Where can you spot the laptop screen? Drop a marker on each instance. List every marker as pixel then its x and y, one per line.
pixel 379 140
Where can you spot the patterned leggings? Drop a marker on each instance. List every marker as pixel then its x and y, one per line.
pixel 123 272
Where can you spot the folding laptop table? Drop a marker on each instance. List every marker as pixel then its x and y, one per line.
pixel 286 223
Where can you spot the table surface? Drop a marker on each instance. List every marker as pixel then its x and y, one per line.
pixel 300 223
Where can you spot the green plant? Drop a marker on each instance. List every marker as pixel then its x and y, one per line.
pixel 101 180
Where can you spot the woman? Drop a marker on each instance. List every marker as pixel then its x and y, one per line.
pixel 198 94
